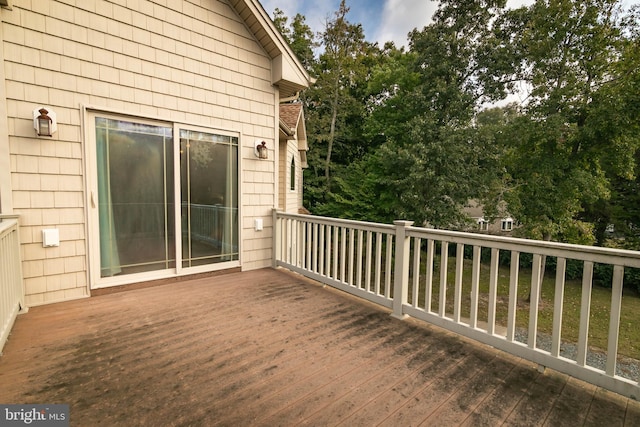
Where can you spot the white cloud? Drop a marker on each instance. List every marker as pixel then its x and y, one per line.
pixel 399 17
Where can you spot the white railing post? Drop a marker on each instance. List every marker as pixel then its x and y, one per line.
pixel 277 239
pixel 401 276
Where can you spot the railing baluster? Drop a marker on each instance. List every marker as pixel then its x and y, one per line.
pixel 359 259
pixel 444 265
pixel 585 309
pixel 309 246
pixel 321 250
pixel 457 295
pixel 493 291
pixel 614 319
pixel 475 286
pixel 388 273
pixel 367 273
pixel 289 240
pixel 302 243
pixel 328 246
pixel 428 277
pixel 534 300
pixel 351 253
pixel 335 252
pixel 561 267
pixel 378 262
pixel 513 295
pixel 416 271
pixel 316 247
pixel 343 253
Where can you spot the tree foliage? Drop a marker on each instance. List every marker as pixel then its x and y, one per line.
pixel 572 57
pixel 413 134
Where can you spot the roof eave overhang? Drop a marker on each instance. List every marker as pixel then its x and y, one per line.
pixel 287 132
pixel 288 73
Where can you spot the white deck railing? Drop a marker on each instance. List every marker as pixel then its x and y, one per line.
pixel 11 290
pixel 405 269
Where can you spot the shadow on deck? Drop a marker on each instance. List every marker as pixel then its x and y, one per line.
pixel 268 347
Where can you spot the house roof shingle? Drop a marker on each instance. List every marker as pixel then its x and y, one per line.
pixel 290 114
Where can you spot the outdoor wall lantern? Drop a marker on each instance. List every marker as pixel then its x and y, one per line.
pixel 261 150
pixel 44 122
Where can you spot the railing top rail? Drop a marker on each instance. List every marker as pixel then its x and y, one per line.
pixel 360 225
pixel 7 223
pixel 565 250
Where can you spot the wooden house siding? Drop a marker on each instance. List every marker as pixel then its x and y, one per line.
pixel 192 62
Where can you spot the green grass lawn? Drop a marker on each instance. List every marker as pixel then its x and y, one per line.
pixel 629 339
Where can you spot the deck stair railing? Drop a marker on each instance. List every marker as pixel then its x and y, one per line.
pixel 472 284
pixel 11 286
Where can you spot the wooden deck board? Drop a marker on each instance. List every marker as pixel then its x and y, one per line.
pixel 270 348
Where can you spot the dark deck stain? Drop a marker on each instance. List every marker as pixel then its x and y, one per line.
pixel 270 348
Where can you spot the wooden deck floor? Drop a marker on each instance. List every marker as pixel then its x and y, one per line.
pixel 270 348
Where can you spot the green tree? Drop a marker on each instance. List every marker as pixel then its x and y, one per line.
pixel 433 160
pixel 570 56
pixel 342 43
pixel 335 107
pixel 298 35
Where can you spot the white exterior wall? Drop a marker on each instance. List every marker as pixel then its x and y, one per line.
pixel 192 62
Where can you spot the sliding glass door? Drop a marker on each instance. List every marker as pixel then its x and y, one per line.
pixel 135 197
pixel 137 165
pixel 208 197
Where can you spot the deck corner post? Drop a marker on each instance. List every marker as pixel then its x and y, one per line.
pixel 401 268
pixel 277 238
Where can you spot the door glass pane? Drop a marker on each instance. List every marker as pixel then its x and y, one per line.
pixel 209 197
pixel 135 197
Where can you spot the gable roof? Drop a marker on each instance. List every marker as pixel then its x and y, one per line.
pixel 292 125
pixel 288 73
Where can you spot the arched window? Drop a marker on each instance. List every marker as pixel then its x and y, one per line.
pixel 292 185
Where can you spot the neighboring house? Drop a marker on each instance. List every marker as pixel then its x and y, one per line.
pixel 152 170
pixel 483 224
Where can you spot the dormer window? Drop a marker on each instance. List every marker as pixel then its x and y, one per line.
pixel 506 224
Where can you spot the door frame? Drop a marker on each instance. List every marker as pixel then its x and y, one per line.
pixel 92 237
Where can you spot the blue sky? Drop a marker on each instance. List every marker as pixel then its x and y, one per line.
pixel 382 20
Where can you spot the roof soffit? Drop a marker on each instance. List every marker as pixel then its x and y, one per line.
pixel 287 71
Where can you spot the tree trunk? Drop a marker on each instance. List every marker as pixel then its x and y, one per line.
pixel 332 132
